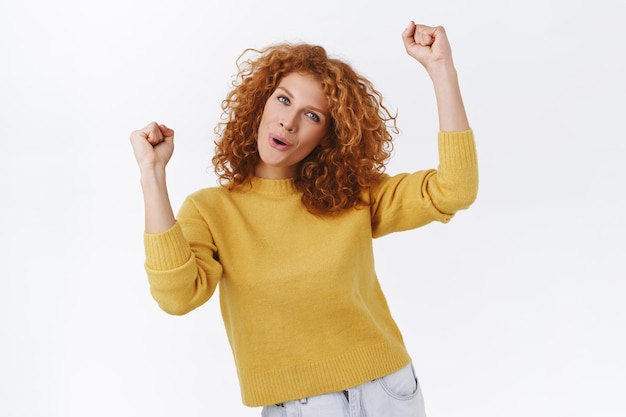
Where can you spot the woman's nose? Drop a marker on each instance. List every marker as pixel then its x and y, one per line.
pixel 288 122
pixel 286 126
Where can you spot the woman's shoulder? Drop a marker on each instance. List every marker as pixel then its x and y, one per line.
pixel 202 196
pixel 206 201
pixel 209 192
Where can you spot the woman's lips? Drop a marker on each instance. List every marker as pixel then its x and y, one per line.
pixel 278 142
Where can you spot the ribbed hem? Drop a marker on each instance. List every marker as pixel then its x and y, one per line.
pixel 166 251
pixel 343 372
pixel 457 149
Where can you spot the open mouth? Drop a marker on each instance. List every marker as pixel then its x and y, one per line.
pixel 279 142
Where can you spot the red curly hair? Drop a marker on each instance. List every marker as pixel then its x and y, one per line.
pixel 352 157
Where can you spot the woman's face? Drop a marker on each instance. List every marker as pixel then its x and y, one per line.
pixel 294 121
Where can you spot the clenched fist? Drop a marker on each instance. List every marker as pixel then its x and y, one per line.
pixel 153 145
pixel 428 45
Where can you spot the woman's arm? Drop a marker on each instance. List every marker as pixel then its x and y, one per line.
pixel 153 147
pixel 454 185
pixel 430 47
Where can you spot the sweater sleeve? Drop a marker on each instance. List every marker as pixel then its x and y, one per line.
pixel 181 263
pixel 407 201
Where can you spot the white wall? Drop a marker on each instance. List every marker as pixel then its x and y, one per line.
pixel 513 309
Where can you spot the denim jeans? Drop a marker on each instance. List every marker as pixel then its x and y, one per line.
pixel 395 395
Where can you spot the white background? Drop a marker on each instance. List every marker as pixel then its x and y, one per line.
pixel 515 308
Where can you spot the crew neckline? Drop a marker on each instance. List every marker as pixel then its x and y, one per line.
pixel 267 185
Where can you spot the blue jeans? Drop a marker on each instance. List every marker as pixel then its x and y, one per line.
pixel 395 395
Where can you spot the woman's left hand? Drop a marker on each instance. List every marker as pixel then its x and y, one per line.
pixel 428 45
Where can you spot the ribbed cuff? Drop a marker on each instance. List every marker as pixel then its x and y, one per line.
pixel 167 250
pixel 457 149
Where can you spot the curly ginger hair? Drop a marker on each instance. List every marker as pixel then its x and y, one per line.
pixel 358 144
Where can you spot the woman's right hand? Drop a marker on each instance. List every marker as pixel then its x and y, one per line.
pixel 153 145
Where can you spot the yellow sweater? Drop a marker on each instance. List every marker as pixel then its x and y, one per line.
pixel 300 299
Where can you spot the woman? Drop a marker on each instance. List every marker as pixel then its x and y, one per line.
pixel 300 154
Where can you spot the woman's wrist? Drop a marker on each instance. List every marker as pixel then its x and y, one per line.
pixel 152 176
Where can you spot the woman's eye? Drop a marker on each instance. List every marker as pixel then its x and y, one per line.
pixel 283 99
pixel 313 116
